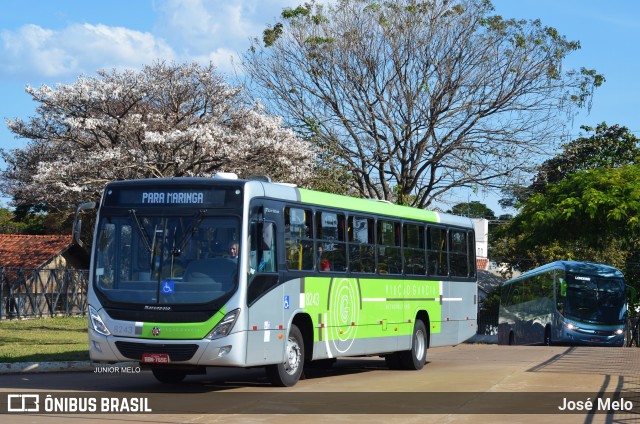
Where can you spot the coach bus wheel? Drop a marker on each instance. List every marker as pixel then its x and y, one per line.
pixel 288 373
pixel 168 376
pixel 547 336
pixel 416 357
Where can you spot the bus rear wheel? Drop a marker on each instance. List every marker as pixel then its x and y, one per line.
pixel 288 373
pixel 416 357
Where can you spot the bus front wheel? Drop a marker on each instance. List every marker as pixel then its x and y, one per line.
pixel 288 373
pixel 168 376
pixel 416 357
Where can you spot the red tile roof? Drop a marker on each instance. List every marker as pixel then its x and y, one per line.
pixel 482 263
pixel 28 251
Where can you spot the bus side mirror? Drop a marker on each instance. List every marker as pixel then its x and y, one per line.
pixel 77 222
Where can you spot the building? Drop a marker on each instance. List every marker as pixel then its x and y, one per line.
pixel 41 275
pixel 481 228
pixel 34 251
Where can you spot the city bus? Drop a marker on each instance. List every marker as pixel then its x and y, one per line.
pixel 316 276
pixel 564 302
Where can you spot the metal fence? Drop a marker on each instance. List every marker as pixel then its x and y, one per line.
pixel 42 292
pixel 487 324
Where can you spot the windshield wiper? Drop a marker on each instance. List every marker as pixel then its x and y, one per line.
pixel 188 233
pixel 145 237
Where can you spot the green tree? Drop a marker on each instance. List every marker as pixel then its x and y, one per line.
pixel 474 209
pixel 588 215
pixel 28 223
pixel 607 147
pixel 417 98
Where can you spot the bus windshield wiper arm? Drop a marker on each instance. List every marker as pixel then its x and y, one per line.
pixel 189 231
pixel 143 232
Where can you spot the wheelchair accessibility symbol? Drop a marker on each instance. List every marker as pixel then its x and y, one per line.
pixel 168 287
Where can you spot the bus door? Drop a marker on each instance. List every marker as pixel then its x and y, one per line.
pixel 266 318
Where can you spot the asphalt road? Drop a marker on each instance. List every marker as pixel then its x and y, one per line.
pixel 464 384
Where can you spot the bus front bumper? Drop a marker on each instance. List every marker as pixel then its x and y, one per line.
pixel 226 351
pixel 597 338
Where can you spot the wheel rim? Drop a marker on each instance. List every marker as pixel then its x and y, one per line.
pixel 419 347
pixel 294 354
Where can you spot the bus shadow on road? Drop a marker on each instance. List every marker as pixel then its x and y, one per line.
pixel 222 379
pixel 593 360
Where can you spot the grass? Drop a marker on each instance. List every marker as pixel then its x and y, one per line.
pixel 44 340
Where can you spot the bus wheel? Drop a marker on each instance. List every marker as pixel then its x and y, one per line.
pixel 288 373
pixel 168 376
pixel 416 357
pixel 547 336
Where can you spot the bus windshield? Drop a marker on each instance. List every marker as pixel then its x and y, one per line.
pixel 595 299
pixel 151 259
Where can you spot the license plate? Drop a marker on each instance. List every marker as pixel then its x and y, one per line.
pixel 155 358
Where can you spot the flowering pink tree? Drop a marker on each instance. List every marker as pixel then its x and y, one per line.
pixel 163 121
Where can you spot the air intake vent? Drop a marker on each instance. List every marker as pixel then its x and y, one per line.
pixel 176 352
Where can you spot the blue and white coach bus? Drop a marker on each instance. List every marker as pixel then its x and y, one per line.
pixel 564 302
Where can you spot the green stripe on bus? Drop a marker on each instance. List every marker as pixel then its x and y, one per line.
pixel 365 205
pixel 377 307
pixel 181 331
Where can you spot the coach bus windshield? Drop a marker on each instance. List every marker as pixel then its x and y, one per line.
pixel 151 259
pixel 594 299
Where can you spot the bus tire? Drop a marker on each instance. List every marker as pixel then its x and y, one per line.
pixel 288 373
pixel 168 376
pixel 547 336
pixel 416 357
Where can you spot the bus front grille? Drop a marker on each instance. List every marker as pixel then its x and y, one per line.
pixel 176 352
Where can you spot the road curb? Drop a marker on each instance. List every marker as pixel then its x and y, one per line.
pixel 43 367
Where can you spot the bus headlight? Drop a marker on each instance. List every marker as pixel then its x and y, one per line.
pixel 224 327
pixel 619 331
pixel 571 326
pixel 96 322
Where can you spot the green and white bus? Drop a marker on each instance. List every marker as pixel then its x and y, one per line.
pixel 318 276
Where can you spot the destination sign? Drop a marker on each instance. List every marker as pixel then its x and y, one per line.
pixel 227 197
pixel 173 197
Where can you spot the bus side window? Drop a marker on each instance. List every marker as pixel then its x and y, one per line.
pixel 437 248
pixel 330 235
pixel 362 254
pixel 389 248
pixel 298 238
pixel 262 255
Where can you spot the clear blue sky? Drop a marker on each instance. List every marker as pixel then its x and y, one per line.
pixel 55 41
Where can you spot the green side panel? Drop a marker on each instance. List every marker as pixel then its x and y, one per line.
pixel 181 331
pixel 352 308
pixel 364 205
